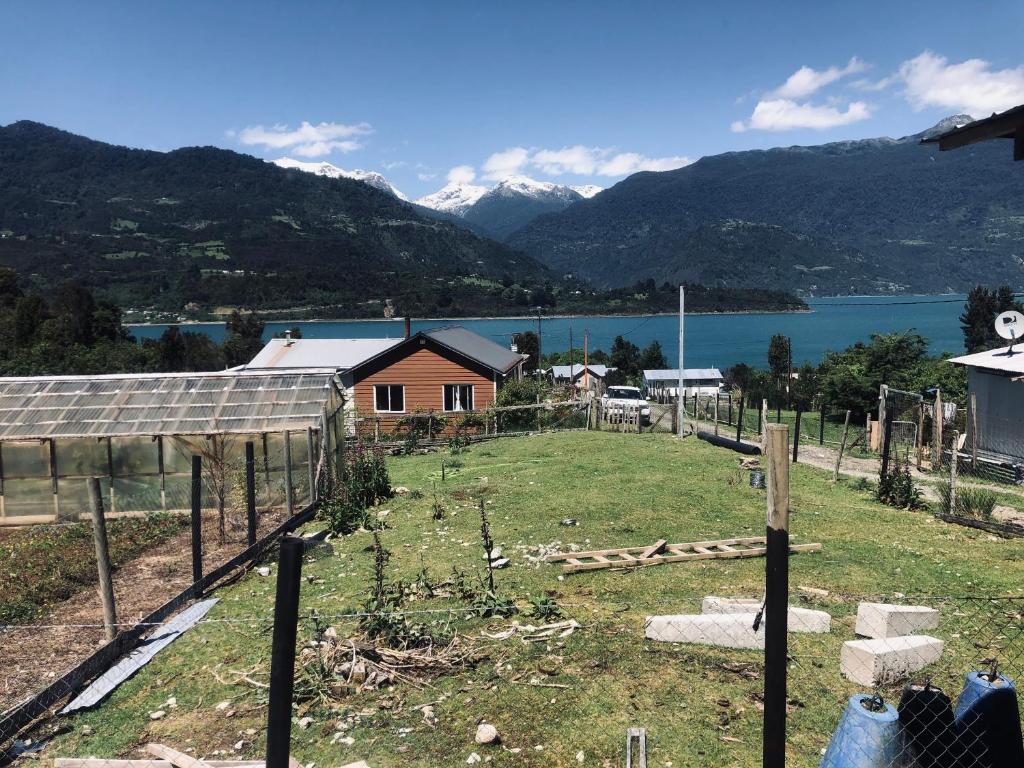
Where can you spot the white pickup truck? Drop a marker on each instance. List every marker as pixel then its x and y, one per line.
pixel 621 398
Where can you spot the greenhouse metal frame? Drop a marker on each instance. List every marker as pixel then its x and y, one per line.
pixel 138 432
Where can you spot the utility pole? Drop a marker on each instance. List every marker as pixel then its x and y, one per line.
pixel 540 345
pixel 571 371
pixel 680 411
pixel 586 362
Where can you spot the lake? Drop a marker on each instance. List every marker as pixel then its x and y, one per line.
pixel 711 340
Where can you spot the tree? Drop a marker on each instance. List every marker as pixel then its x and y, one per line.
pixel 738 377
pixel 979 316
pixel 245 338
pixel 528 344
pixel 625 356
pixel 780 358
pixel 652 357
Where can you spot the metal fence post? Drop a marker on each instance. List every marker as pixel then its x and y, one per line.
pixel 99 537
pixel 310 466
pixel 796 433
pixel 250 493
pixel 197 519
pixel 739 417
pixel 282 653
pixel 776 598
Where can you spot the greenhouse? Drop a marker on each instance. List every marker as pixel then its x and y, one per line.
pixel 138 433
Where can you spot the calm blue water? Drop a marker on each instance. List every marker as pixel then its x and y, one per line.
pixel 711 340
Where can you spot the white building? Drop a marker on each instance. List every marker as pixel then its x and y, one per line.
pixel 696 381
pixel 583 376
pixel 995 381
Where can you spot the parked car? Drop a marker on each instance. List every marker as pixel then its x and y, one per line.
pixel 621 398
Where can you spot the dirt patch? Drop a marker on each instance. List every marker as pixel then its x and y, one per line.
pixel 33 655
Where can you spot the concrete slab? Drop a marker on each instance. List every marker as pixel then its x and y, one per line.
pixel 804 620
pixel 887 660
pixel 726 630
pixel 883 620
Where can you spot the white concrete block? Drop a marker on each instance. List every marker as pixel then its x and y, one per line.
pixel 883 620
pixel 799 619
pixel 727 630
pixel 808 621
pixel 887 660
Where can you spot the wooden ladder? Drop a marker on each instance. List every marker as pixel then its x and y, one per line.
pixel 661 552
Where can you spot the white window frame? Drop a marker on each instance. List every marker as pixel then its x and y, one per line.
pixel 472 395
pixel 389 410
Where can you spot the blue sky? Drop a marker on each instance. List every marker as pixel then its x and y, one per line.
pixel 569 92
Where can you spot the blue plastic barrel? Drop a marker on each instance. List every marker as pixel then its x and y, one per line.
pixel 988 722
pixel 868 736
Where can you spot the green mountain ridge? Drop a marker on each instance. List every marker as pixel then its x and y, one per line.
pixel 876 215
pixel 216 227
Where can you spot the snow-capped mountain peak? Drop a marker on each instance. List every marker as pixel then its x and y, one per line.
pixel 372 178
pixel 453 198
pixel 587 190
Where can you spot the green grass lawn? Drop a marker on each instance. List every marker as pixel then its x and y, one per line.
pixel 699 705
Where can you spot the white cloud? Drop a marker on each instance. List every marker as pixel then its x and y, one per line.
pixel 307 140
pixel 970 86
pixel 577 160
pixel 788 115
pixel 806 81
pixel 580 160
pixel 626 163
pixel 507 163
pixel 462 174
pixel 426 176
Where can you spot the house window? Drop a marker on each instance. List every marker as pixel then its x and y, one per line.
pixel 458 397
pixel 389 398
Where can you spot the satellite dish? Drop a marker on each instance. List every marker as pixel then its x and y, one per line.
pixel 1010 325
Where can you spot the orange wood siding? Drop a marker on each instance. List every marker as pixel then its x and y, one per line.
pixel 423 374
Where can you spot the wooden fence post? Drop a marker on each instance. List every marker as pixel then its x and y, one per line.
pixel 310 466
pixel 886 435
pixel 821 425
pixel 954 458
pixel 197 519
pixel 920 435
pixel 289 492
pixel 760 417
pixel 776 608
pixel 974 431
pixel 99 537
pixel 250 493
pixel 937 423
pixel 716 414
pixel 842 447
pixel 730 409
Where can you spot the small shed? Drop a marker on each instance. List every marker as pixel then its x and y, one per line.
pixel 137 433
pixel 995 411
pixel 696 381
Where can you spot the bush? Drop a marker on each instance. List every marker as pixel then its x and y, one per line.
pixel 364 483
pixel 970 502
pixel 897 489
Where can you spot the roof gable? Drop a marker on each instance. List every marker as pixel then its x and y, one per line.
pixel 456 343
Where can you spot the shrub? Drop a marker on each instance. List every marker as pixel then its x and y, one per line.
pixel 897 488
pixel 970 502
pixel 364 483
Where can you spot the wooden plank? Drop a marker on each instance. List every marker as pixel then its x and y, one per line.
pixel 100 762
pixel 654 548
pixel 174 757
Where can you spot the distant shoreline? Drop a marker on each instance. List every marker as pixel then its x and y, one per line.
pixel 489 317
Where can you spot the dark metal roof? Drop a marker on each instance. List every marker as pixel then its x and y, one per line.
pixel 476 347
pixel 1004 125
